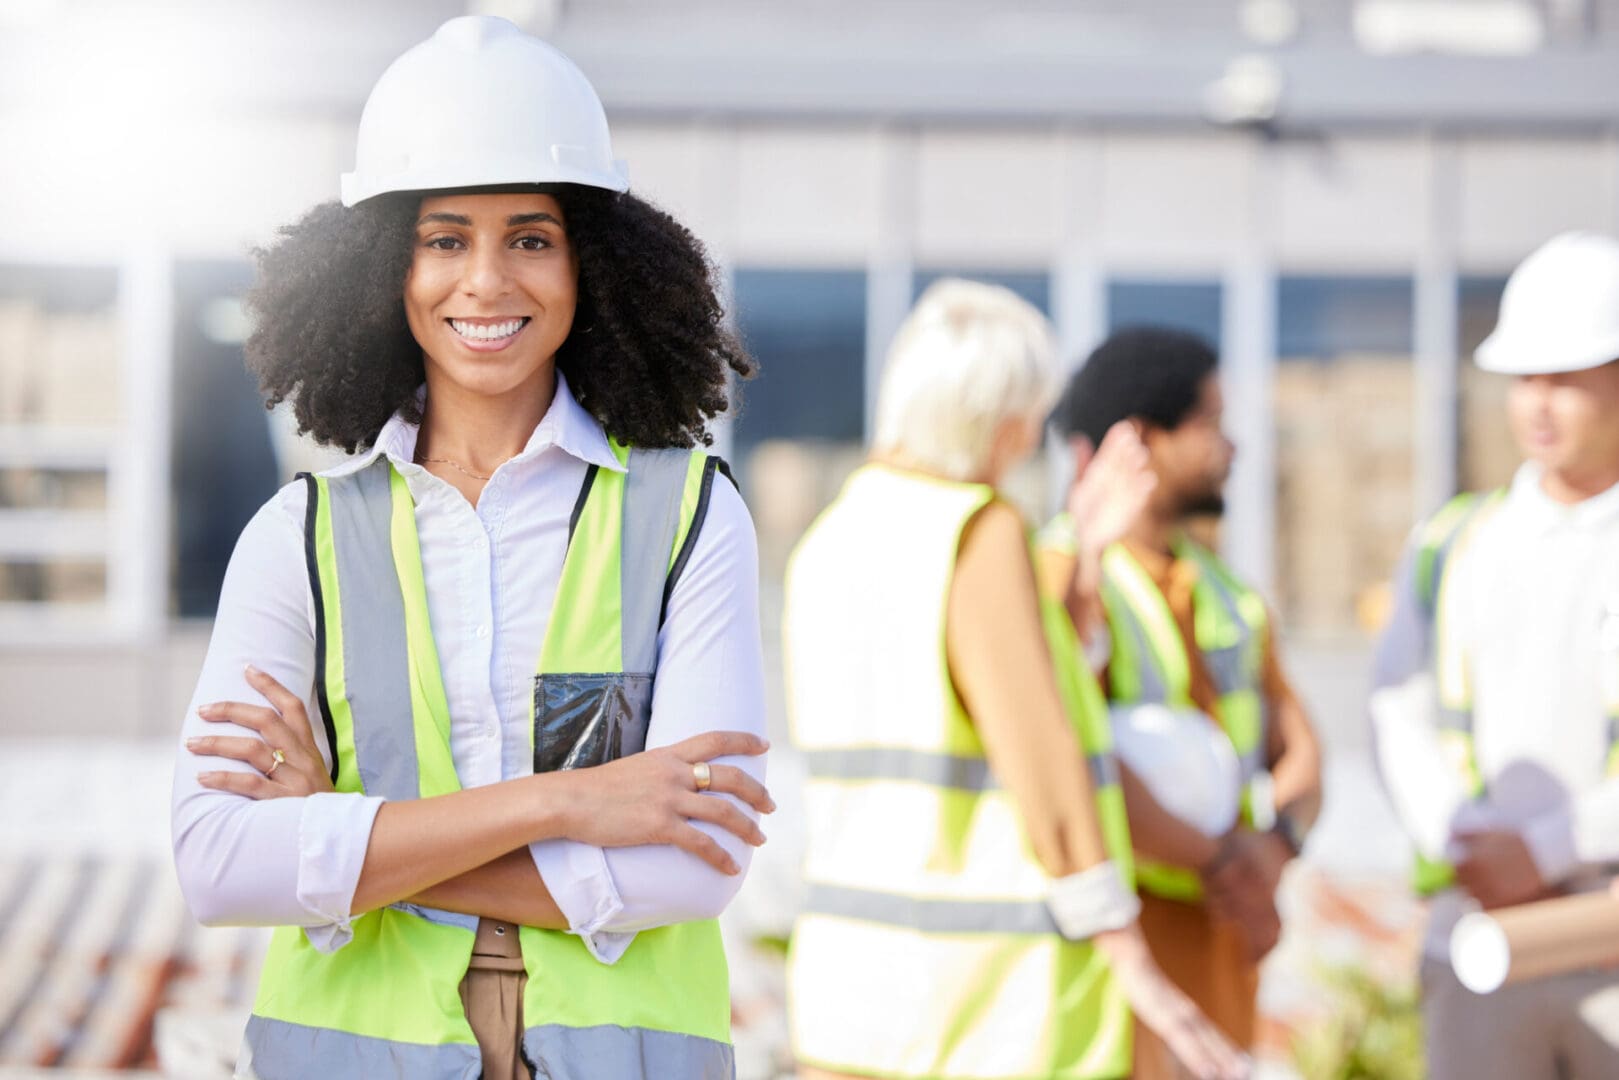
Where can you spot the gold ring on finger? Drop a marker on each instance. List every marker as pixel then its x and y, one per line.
pixel 703 775
pixel 280 759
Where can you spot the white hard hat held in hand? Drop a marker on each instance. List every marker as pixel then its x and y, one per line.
pixel 1560 311
pixel 1185 760
pixel 480 103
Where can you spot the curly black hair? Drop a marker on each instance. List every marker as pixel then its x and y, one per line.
pixel 649 355
pixel 1151 373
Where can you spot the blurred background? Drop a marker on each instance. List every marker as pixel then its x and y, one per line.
pixel 1331 190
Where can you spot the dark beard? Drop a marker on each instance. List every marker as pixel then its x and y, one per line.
pixel 1208 504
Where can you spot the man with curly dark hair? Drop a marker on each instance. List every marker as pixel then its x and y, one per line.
pixel 480 863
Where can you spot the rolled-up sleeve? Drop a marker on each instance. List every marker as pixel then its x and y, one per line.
pixel 275 862
pixel 710 678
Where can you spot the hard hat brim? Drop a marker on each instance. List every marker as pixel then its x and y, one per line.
pixel 1504 355
pixel 356 187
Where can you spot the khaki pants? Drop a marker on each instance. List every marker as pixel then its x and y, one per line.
pixel 1208 959
pixel 492 994
pixel 1561 1028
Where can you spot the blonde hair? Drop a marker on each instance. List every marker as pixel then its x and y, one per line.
pixel 968 358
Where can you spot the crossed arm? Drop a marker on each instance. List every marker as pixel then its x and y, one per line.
pixel 312 858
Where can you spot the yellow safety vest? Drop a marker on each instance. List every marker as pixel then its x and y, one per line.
pixel 1439 541
pixel 925 947
pixel 387 1004
pixel 1150 665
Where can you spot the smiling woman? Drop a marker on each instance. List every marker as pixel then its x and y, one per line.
pixel 642 342
pixel 483 863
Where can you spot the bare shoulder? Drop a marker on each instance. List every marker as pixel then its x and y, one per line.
pixel 997 529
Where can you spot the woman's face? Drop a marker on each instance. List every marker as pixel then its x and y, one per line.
pixel 491 291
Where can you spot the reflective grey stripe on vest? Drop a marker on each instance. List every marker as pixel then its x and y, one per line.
pixel 277 1050
pixel 1252 764
pixel 1460 720
pixel 652 495
pixel 1104 770
pixel 592 1053
pixel 376 660
pixel 957 772
pixel 1154 687
pixel 376 655
pixel 929 915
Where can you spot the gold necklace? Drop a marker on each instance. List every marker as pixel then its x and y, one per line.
pixel 454 465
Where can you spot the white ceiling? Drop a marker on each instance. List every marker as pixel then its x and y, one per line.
pixel 1127 62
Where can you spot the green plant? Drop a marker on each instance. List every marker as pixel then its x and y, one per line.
pixel 1374 1032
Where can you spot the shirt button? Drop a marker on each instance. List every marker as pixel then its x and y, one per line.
pixel 483 631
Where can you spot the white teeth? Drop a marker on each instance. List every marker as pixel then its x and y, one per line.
pixel 492 332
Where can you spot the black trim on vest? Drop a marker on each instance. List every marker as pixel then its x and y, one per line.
pixel 579 503
pixel 698 516
pixel 313 564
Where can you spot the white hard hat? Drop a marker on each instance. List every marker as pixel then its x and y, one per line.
pixel 1185 760
pixel 1560 311
pixel 481 103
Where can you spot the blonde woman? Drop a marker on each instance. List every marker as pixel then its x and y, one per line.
pixel 969 909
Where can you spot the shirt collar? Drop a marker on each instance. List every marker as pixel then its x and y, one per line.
pixel 1160 566
pixel 566 425
pixel 1543 512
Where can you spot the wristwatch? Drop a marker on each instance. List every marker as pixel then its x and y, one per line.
pixel 1289 831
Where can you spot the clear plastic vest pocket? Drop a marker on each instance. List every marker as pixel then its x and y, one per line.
pixel 586 720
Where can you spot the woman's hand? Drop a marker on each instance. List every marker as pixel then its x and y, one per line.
pixel 1111 488
pixel 653 798
pixel 1197 1044
pixel 284 753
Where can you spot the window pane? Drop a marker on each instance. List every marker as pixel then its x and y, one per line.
pixel 59 346
pixel 803 418
pixel 1185 305
pixel 1486 456
pixel 30 488
pixel 76 582
pixel 224 466
pixel 1322 318
pixel 1345 440
pixel 807 328
pixel 1032 285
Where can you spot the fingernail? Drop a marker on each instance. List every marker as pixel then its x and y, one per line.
pixel 207 710
pixel 766 743
pixel 771 809
pixel 732 868
pixel 192 744
pixel 252 671
pixel 205 777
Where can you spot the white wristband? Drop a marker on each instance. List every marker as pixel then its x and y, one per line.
pixel 1262 801
pixel 1092 902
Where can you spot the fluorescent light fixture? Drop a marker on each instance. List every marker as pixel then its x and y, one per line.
pixel 1249 92
pixel 1464 27
pixel 1269 22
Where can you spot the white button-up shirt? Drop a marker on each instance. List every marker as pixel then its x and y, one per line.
pixel 1535 595
pixel 492 574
